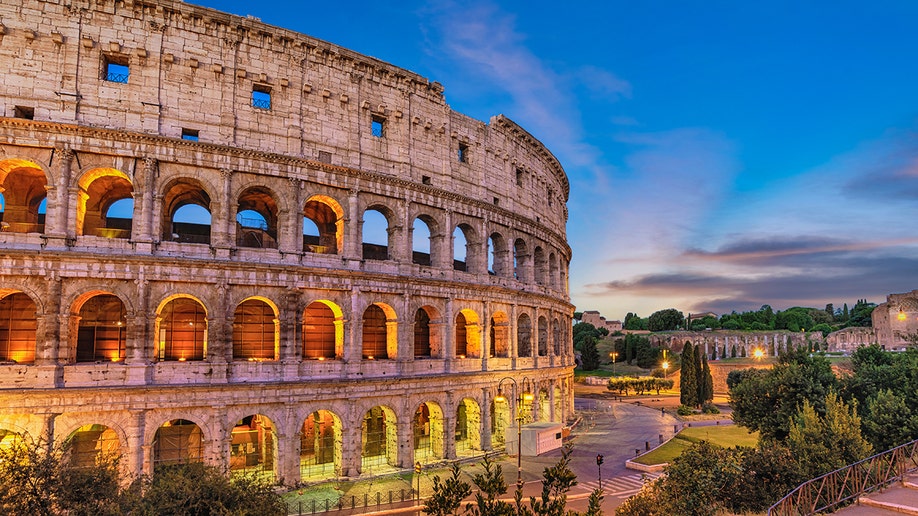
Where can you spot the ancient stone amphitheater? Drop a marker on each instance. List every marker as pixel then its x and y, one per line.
pixel 186 268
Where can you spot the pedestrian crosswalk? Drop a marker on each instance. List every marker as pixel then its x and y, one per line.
pixel 620 487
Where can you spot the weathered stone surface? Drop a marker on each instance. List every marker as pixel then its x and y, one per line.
pixel 181 129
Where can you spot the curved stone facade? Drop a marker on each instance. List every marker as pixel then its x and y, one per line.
pixel 185 274
pixel 895 322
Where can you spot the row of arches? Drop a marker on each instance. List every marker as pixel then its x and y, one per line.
pixel 104 206
pixel 102 329
pixel 324 444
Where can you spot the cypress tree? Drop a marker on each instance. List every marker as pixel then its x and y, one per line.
pixel 707 383
pixel 688 382
pixel 723 352
pixel 700 356
pixel 733 351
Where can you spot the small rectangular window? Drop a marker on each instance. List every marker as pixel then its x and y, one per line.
pixel 261 97
pixel 519 177
pixel 378 126
pixel 24 112
pixel 324 156
pixel 425 180
pixel 117 69
pixel 463 153
pixel 190 134
pixel 496 201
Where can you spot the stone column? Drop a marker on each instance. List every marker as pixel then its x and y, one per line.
pixel 142 229
pixel 404 426
pixel 218 451
pixel 353 345
pixel 485 335
pixel 448 336
pixel 486 418
pixel 353 228
pixel 405 330
pixel 551 401
pixel 449 425
pixel 352 438
pixel 134 448
pixel 48 331
pixel 222 227
pixel 290 232
pixel 58 206
pixel 444 255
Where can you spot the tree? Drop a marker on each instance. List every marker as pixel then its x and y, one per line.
pixel 634 322
pixel 589 355
pixel 889 421
pixel 825 443
pixel 767 400
pixel 665 320
pixel 688 381
pixel 706 383
pixel 447 495
pixel 733 352
pixel 491 485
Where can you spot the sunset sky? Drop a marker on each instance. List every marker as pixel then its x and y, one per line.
pixel 722 155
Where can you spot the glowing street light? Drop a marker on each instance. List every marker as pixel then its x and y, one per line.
pixel 613 355
pixel 758 354
pixel 665 366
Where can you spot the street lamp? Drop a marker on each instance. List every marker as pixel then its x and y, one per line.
pixel 613 355
pixel 665 366
pixel 527 396
pixel 758 354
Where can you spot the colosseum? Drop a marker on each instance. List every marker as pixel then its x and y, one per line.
pixel 186 274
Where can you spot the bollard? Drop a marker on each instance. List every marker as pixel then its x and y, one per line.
pixel 675 429
pixel 647 445
pixel 637 451
pixel 661 438
pixel 717 422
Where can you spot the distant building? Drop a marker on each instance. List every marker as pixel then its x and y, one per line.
pixel 896 319
pixel 593 317
pixel 697 317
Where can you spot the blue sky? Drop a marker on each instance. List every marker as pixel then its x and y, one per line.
pixel 722 155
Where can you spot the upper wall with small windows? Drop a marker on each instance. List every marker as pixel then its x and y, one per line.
pixel 194 73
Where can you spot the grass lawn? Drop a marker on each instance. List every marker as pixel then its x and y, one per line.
pixel 725 436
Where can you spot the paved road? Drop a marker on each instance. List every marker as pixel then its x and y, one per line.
pixel 614 430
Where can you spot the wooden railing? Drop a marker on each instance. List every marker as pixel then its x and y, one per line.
pixel 845 485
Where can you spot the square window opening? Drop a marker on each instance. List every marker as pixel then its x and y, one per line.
pixel 24 112
pixel 190 134
pixel 261 97
pixel 519 177
pixel 496 201
pixel 116 69
pixel 378 126
pixel 463 153
pixel 425 180
pixel 325 156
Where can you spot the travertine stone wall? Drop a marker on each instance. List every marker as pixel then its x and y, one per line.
pixel 192 71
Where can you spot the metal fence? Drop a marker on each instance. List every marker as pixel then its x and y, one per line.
pixel 845 485
pixel 354 504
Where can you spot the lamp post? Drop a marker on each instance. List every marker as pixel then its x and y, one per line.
pixel 613 355
pixel 758 354
pixel 519 423
pixel 665 366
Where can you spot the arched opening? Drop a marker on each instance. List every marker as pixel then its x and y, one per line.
pixel 256 333
pixel 524 336
pixel 380 332
pixel 177 442
pixel 520 259
pixel 468 428
pixel 323 225
pixel 9 439
pixel 500 335
pixel 323 331
pixel 182 330
pixel 544 406
pixel 422 334
pixel 541 266
pixel 553 273
pixel 253 448
pixel 556 337
pixel 463 242
pixel 543 337
pixel 428 433
pixel 558 404
pixel 100 189
pixel 18 328
pixel 102 333
pixel 186 213
pixel 375 235
pixel 500 421
pixel 320 446
pixel 91 443
pixel 468 336
pixel 420 243
pixel 23 185
pixel 379 440
pixel 497 255
pixel 256 219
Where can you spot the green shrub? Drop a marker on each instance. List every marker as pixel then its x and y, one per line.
pixel 685 410
pixel 710 408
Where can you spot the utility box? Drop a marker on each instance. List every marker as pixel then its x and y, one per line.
pixel 539 438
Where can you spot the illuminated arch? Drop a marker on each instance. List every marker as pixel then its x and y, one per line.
pixel 427 429
pixel 328 218
pixel 380 332
pixel 379 440
pixel 23 184
pixel 181 329
pixel 500 335
pixel 18 327
pixel 524 336
pixel 89 443
pixel 256 330
pixel 321 444
pixel 101 333
pixel 468 334
pixel 427 341
pixel 468 427
pixel 100 188
pixel 253 447
pixel 178 441
pixel 323 331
